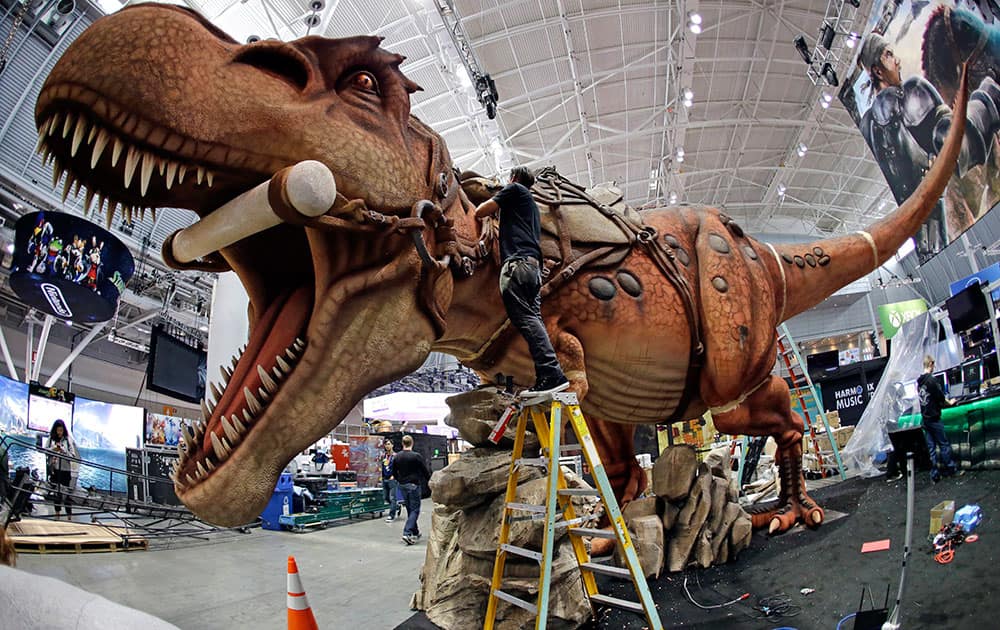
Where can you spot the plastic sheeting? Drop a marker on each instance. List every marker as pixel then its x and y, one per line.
pixel 896 394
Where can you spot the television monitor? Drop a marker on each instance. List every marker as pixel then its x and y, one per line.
pixel 967 308
pixel 991 367
pixel 102 432
pixel 175 368
pixel 164 431
pixel 46 405
pixel 822 362
pixel 954 375
pixel 13 406
pixel 971 374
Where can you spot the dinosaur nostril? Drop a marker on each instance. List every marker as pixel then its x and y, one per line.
pixel 276 59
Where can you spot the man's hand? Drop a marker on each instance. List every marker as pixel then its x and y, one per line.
pixel 951 401
pixel 487 209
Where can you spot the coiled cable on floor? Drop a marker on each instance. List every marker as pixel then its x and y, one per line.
pixel 779 605
pixel 711 606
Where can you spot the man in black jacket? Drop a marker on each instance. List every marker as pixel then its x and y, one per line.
pixel 520 273
pixel 411 472
pixel 932 399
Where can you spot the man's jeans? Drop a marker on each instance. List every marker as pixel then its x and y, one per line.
pixel 389 489
pixel 520 283
pixel 941 462
pixel 411 499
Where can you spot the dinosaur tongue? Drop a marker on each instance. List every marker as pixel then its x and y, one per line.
pixel 273 333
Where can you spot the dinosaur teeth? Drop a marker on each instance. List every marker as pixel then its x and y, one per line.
pixel 252 403
pixel 228 429
pixel 190 480
pixel 285 367
pixel 220 450
pixel 226 374
pixel 131 162
pixel 209 465
pixel 171 172
pixel 78 133
pixel 70 119
pixel 116 151
pixel 200 174
pixel 216 392
pixel 148 161
pixel 239 425
pixel 54 124
pixel 263 394
pixel 266 379
pixel 204 409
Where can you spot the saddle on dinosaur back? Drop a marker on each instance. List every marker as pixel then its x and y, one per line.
pixel 654 314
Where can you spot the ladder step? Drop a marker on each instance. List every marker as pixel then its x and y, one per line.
pixel 517 601
pixel 593 533
pixel 606 569
pixel 625 604
pixel 533 461
pixel 576 521
pixel 578 492
pixel 521 551
pixel 526 507
pixel 570 448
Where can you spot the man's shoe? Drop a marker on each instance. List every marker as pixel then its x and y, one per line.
pixel 895 477
pixel 390 519
pixel 548 385
pixel 409 540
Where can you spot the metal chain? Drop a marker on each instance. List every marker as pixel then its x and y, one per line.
pixel 13 31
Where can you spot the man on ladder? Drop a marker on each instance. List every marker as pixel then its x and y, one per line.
pixel 520 273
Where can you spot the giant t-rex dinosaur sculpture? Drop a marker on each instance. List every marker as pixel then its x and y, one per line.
pixel 155 107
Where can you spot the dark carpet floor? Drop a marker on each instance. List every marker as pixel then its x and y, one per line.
pixel 958 595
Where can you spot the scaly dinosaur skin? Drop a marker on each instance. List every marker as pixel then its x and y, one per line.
pixel 158 91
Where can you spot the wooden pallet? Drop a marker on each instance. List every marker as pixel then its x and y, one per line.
pixel 34 535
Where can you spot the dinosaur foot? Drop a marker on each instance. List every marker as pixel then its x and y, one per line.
pixel 803 510
pixel 602 546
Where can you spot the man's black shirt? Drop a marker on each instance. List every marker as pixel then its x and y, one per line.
pixel 409 467
pixel 520 227
pixel 932 399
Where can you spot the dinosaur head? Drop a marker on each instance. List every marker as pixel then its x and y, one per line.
pixel 155 107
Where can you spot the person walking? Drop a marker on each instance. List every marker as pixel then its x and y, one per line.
pixel 932 399
pixel 62 471
pixel 411 472
pixel 389 484
pixel 520 274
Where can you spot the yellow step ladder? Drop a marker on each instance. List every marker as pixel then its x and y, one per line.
pixel 558 503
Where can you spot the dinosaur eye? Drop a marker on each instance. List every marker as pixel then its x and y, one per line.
pixel 364 81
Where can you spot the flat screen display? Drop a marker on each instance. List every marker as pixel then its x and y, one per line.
pixel 46 405
pixel 971 372
pixel 967 308
pixel 102 432
pixel 822 361
pixel 164 431
pixel 13 406
pixel 175 368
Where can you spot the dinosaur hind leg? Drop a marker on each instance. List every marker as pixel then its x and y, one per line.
pixel 768 412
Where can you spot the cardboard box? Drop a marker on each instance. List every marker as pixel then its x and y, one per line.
pixel 833 418
pixel 942 514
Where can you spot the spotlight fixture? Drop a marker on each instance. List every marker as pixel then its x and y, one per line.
pixel 694 22
pixel 825 99
pixel 801 149
pixel 680 154
pixel 852 40
pixel 781 190
pixel 803 48
pixel 688 98
pixel 673 197
pixel 10 248
pixel 486 92
pixel 826 34
pixel 854 3
pixel 830 75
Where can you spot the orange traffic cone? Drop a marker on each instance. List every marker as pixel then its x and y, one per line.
pixel 300 616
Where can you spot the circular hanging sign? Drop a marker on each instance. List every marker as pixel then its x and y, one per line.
pixel 69 267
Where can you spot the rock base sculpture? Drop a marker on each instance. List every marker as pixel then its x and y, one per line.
pixel 693 519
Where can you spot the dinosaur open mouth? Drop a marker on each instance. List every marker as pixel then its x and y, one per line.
pixel 125 161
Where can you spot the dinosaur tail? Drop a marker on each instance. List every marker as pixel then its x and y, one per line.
pixel 809 273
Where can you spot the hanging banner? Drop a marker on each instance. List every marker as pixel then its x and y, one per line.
pixel 68 267
pixel 984 277
pixel 904 79
pixel 893 316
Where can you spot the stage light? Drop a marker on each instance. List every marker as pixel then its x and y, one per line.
pixel 10 248
pixel 688 94
pixel 826 35
pixel 694 22
pixel 830 75
pixel 854 3
pixel 852 40
pixel 203 328
pixel 801 149
pixel 803 48
pixel 680 154
pixel 781 190
pixel 673 197
pixel 825 99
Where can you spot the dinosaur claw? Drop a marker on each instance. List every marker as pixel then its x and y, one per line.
pixel 775 525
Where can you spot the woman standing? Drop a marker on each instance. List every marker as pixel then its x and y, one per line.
pixel 61 469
